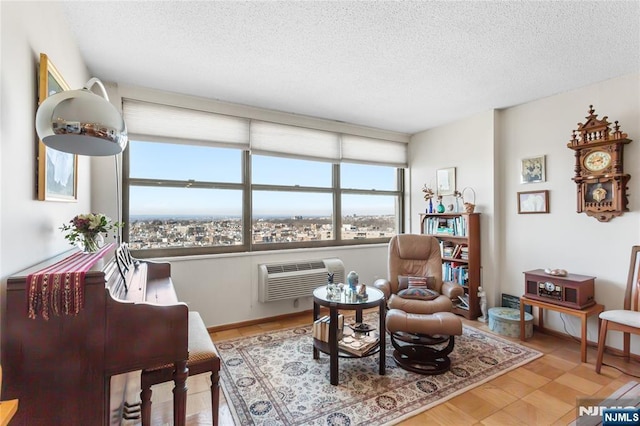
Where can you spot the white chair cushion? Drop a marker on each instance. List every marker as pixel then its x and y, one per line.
pixel 630 318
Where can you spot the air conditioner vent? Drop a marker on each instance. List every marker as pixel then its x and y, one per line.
pixel 296 279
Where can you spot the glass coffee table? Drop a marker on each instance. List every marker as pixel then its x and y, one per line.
pixel 344 302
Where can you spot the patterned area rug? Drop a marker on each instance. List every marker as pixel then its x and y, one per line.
pixel 272 379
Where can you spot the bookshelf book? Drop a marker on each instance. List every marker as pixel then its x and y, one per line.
pixel 459 238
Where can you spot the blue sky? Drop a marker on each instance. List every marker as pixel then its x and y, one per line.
pixel 200 163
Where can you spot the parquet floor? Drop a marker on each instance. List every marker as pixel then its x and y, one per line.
pixel 542 392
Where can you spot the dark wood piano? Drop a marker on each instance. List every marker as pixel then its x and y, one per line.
pixel 62 369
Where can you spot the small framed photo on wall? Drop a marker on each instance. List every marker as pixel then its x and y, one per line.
pixel 533 202
pixel 446 181
pixel 532 169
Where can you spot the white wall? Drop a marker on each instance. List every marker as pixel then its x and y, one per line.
pixel 224 288
pixel 487 149
pixel 29 228
pixel 564 238
pixel 467 145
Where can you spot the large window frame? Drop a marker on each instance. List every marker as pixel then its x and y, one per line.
pixel 248 187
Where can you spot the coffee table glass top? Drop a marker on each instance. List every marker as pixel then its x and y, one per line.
pixel 345 298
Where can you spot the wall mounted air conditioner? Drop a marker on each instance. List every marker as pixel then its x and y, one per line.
pixel 290 280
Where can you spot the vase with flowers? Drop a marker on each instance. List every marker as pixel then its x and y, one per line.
pixel 428 196
pixel 87 231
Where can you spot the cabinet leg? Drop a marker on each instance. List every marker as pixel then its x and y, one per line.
pixel 333 344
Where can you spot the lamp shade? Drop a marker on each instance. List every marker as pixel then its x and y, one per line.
pixel 81 122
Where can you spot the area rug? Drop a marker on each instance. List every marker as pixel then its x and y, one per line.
pixel 272 379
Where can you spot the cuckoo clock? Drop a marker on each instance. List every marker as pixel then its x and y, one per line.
pixel 599 175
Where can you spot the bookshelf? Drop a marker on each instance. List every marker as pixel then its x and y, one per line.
pixel 459 237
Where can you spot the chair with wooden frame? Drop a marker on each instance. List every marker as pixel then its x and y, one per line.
pixel 626 320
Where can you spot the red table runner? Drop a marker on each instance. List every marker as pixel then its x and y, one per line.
pixel 59 288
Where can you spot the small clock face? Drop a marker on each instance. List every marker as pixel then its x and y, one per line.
pixel 549 286
pixel 597 160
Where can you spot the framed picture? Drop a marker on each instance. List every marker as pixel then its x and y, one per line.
pixel 57 171
pixel 533 202
pixel 446 181
pixel 532 170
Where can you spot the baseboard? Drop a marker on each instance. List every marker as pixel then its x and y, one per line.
pixel 564 336
pixel 241 324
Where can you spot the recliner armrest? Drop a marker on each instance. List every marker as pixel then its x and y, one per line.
pixel 384 286
pixel 452 290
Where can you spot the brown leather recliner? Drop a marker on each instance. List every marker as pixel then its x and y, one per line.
pixel 415 325
pixel 412 255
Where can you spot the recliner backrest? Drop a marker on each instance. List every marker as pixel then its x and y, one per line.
pixel 414 255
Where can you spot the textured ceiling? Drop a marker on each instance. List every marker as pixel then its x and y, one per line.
pixel 403 66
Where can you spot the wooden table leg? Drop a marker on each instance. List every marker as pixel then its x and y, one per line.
pixel 333 344
pixel 180 393
pixel 540 318
pixel 522 322
pixel 383 339
pixel 316 313
pixel 583 343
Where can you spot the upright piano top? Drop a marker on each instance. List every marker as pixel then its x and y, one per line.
pixel 20 277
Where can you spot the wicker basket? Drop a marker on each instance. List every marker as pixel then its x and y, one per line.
pixel 469 207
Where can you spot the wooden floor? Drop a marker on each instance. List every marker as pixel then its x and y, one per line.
pixel 542 392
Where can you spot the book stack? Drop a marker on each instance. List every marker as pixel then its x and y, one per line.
pixel 457 251
pixel 359 345
pixel 321 328
pixel 464 253
pixel 447 249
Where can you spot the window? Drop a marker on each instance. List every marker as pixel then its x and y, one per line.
pixel 371 201
pixel 203 188
pixel 184 196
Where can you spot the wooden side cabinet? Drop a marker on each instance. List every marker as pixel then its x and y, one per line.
pixel 459 237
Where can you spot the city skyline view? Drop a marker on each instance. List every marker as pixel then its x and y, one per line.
pixel 171 232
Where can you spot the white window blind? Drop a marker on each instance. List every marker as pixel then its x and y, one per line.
pixel 279 139
pixel 156 122
pixel 164 123
pixel 359 149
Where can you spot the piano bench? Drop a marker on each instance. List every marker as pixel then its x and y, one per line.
pixel 203 358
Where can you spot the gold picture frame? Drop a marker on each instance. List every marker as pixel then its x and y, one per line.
pixel 530 202
pixel 57 171
pixel 446 181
